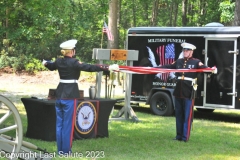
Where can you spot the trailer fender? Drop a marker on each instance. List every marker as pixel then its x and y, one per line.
pixel 167 90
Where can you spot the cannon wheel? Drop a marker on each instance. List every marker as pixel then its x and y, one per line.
pixel 10 121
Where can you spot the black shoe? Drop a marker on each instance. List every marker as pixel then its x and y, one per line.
pixel 176 139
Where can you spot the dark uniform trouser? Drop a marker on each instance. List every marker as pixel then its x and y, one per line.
pixel 65 111
pixel 183 113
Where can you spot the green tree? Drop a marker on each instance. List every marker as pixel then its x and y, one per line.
pixel 227 12
pixel 38 27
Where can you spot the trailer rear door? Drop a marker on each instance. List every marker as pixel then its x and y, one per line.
pixel 220 89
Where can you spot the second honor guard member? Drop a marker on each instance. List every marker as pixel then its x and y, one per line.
pixel 67 92
pixel 184 90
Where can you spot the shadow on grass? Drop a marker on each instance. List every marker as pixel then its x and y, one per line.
pixel 219 116
pixel 214 116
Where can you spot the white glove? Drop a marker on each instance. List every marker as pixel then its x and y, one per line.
pixel 44 62
pixel 214 70
pixel 113 67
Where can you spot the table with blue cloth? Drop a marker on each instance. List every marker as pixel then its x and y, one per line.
pixel 91 118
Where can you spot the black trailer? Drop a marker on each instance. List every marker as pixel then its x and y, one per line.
pixel 216 46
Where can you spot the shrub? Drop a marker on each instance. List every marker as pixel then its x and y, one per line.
pixel 34 65
pixel 20 63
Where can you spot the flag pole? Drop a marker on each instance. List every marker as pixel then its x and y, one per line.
pixel 102 40
pixel 102 30
pixel 106 75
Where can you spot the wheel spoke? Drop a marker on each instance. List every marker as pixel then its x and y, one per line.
pixel 3 130
pixel 9 113
pixel 3 140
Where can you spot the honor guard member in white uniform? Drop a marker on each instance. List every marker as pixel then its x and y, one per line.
pixel 184 91
pixel 67 92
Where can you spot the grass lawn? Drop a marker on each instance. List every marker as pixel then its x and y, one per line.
pixel 215 136
pixel 151 138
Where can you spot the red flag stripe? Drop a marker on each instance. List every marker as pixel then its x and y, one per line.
pixel 152 70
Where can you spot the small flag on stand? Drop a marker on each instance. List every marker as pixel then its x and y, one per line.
pixel 107 31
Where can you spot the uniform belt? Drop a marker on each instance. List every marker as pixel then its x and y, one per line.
pixel 193 80
pixel 186 78
pixel 68 81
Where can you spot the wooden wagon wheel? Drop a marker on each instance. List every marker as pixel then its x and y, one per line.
pixel 10 121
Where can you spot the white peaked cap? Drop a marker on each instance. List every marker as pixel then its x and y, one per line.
pixel 188 46
pixel 70 44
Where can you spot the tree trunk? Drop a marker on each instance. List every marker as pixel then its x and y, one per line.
pixel 145 11
pixel 154 13
pixel 119 13
pixel 190 13
pixel 184 12
pixel 171 13
pixel 112 23
pixel 134 13
pixel 175 14
pixel 236 21
pixel 6 24
pixel 202 12
pixel 6 43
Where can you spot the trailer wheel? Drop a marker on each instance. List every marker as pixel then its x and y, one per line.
pixel 205 110
pixel 161 104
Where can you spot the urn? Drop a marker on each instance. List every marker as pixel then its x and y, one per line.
pixel 92 92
